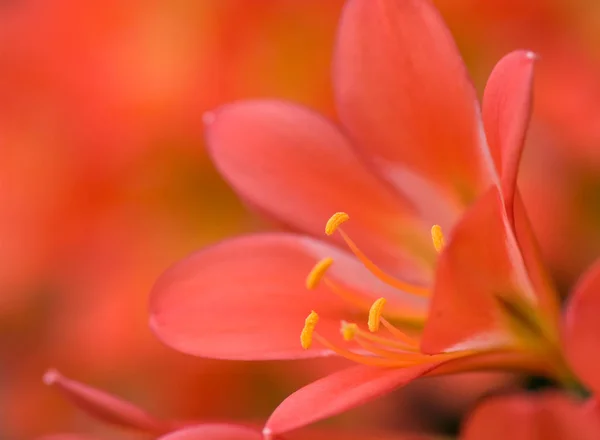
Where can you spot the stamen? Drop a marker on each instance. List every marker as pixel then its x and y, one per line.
pixel 380 274
pixel 317 273
pixel 348 330
pixel 375 314
pixel 335 221
pixel 438 238
pixel 306 336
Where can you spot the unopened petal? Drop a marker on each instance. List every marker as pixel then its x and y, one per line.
pixel 104 406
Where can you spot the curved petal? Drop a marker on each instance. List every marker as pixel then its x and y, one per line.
pixel 214 431
pixel 531 417
pixel 581 328
pixel 480 282
pixel 106 407
pixel 337 393
pixel 246 298
pixel 507 103
pixel 404 95
pixel 297 166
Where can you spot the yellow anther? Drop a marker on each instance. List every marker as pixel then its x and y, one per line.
pixel 335 221
pixel 317 273
pixel 348 330
pixel 375 314
pixel 438 238
pixel 306 336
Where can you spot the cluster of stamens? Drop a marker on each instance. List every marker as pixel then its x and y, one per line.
pixel 395 347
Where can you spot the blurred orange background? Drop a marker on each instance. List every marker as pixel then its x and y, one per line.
pixel 104 181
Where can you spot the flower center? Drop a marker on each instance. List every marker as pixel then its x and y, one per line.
pixel 392 348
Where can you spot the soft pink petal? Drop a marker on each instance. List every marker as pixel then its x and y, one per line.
pixel 507 103
pixel 404 95
pixel 531 417
pixel 214 431
pixel 337 393
pixel 245 298
pixel 581 328
pixel 106 407
pixel 479 271
pixel 296 165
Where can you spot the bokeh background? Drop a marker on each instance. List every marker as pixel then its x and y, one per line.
pixel 104 182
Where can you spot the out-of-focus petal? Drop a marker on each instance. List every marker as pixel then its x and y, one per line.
pixel 106 407
pixel 506 112
pixel 337 393
pixel 214 431
pixel 405 97
pixel 297 166
pixel 479 271
pixel 581 328
pixel 246 298
pixel 354 434
pixel 531 417
pixel 68 437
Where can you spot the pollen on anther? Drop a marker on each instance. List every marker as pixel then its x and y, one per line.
pixel 348 330
pixel 309 328
pixel 375 314
pixel 335 221
pixel 437 237
pixel 317 273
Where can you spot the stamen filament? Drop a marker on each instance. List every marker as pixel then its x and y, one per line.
pixel 380 274
pixel 386 341
pixel 398 333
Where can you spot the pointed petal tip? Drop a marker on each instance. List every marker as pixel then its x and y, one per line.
pixel 267 433
pixel 51 376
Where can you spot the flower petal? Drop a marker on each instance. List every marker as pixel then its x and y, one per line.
pixel 479 271
pixel 245 298
pixel 581 328
pixel 68 437
pixel 296 165
pixel 338 392
pixel 404 95
pixel 507 104
pixel 106 407
pixel 214 431
pixel 531 417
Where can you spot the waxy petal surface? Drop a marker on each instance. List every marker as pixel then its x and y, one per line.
pixel 507 107
pixel 581 328
pixel 106 407
pixel 214 431
pixel 297 166
pixel 507 104
pixel 245 298
pixel 339 392
pixel 531 417
pixel 405 97
pixel 478 271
